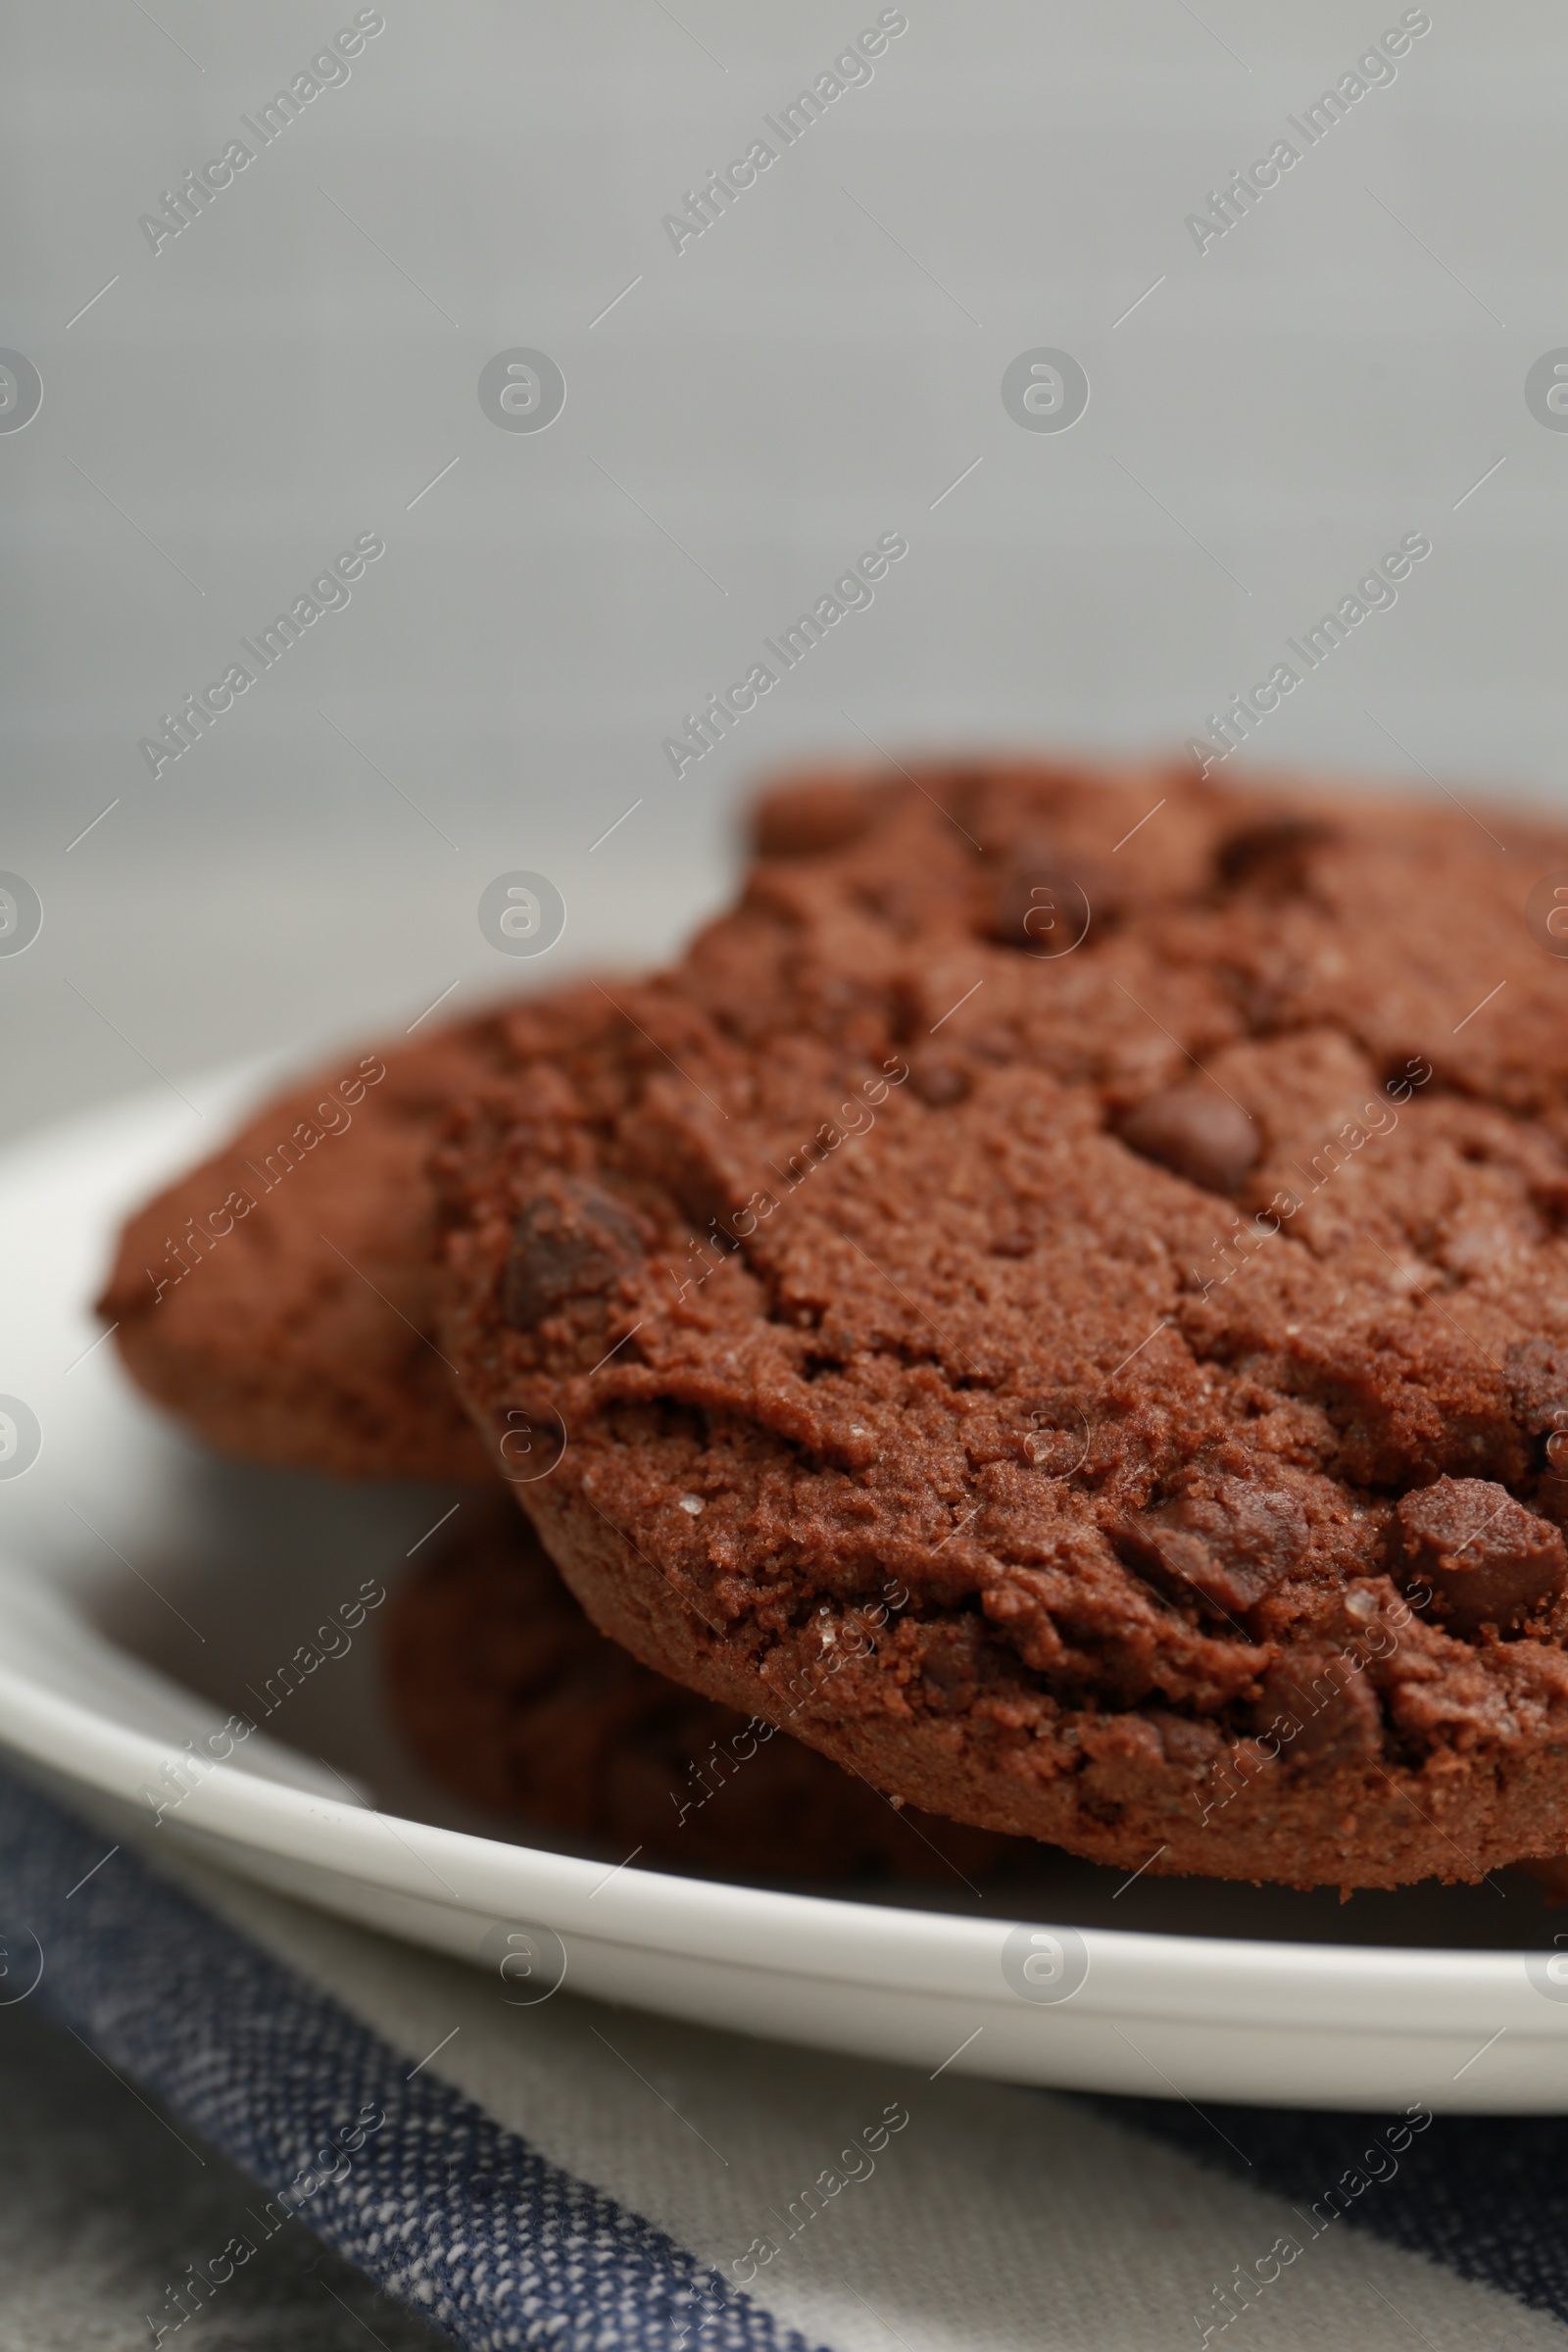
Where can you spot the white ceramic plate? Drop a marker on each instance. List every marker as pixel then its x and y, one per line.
pixel 147 1592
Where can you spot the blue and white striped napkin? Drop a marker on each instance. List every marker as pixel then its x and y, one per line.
pixel 597 2180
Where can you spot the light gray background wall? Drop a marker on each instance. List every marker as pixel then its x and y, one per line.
pixel 299 363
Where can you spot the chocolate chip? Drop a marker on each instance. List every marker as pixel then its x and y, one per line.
pixel 1489 1560
pixel 1196 1131
pixel 1179 1563
pixel 572 1242
pixel 1225 1551
pixel 1039 908
pixel 939 1079
pixel 1273 856
pixel 1320 1707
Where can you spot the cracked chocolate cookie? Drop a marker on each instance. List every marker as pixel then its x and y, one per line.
pixel 511 1698
pixel 1063 1300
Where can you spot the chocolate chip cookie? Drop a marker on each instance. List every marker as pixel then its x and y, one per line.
pixel 511 1698
pixel 1063 1301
